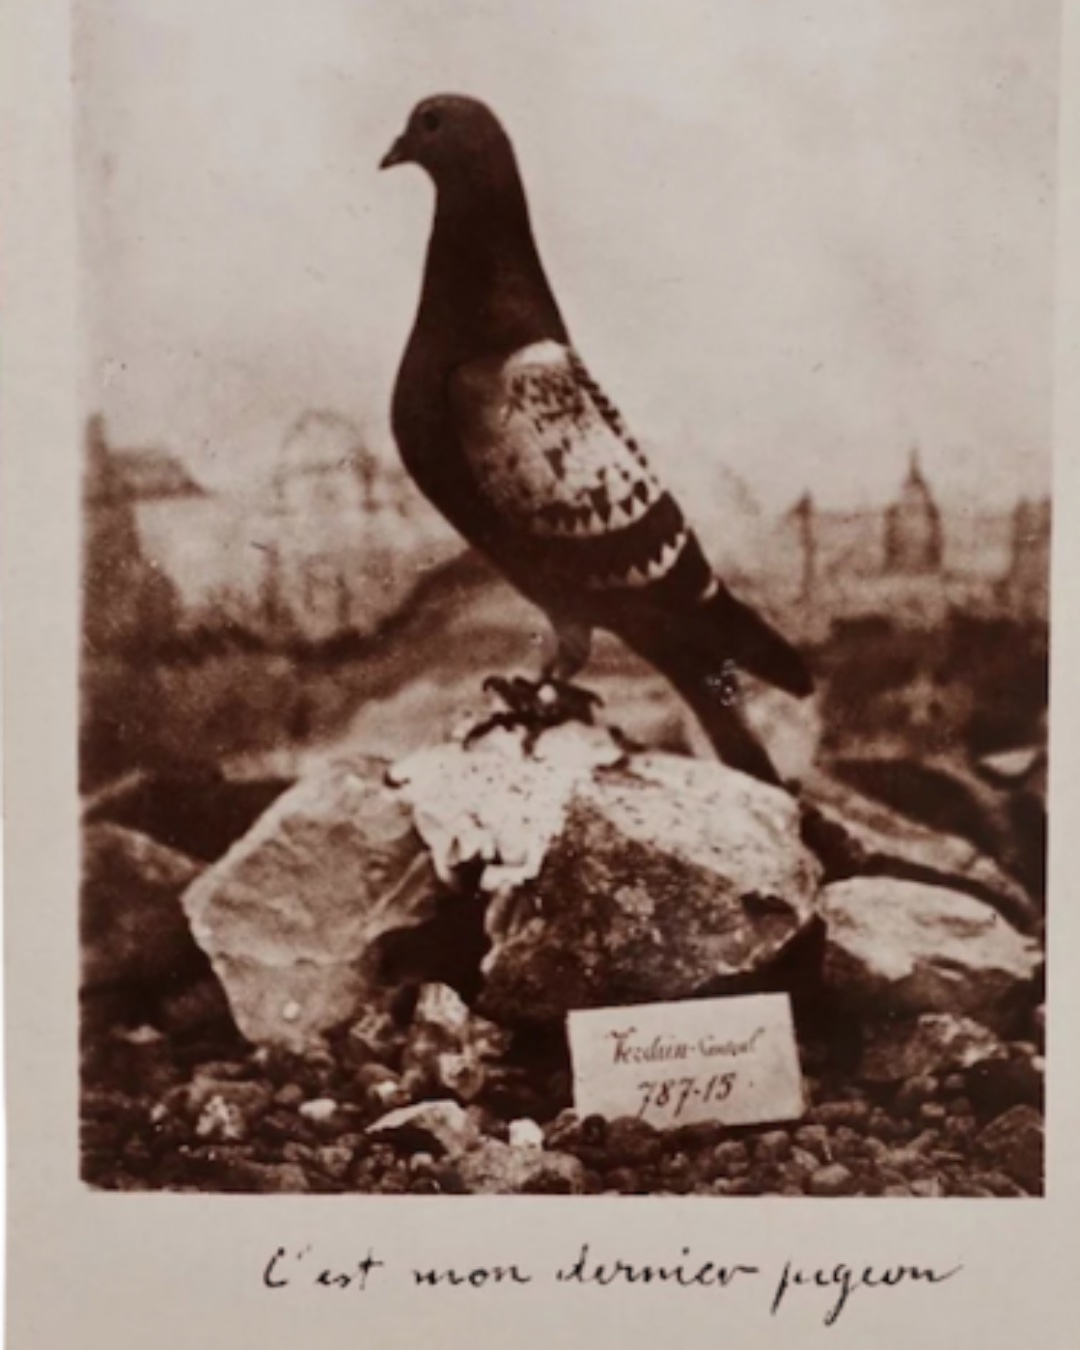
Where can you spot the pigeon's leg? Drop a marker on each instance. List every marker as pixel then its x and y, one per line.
pixel 537 705
pixel 573 643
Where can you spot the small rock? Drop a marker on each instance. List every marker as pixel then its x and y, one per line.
pixel 914 1092
pixel 444 1126
pixel 853 1114
pixel 248 1099
pixel 335 1161
pixel 437 1005
pixel 802 1162
pixel 462 1074
pixel 896 1191
pixel 814 1139
pixel 998 1084
pixel 997 1183
pixel 834 1179
pixel 1014 1143
pixel 389 1094
pixel 564 1130
pixel 960 1129
pixel 320 1111
pixel 932 1044
pixel 132 926
pixel 495 1168
pixel 375 1038
pixel 773 1147
pixel 526 1134
pixel 221 1120
pixel 730 1154
pixel 632 1142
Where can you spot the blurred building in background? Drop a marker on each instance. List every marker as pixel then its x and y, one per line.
pixel 330 541
pixel 334 538
pixel 910 563
pixel 913 537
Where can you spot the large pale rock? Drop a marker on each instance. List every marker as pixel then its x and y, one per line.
pixel 857 836
pixel 614 880
pixel 899 946
pixel 291 916
pixel 132 927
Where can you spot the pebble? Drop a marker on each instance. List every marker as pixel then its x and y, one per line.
pixel 851 1114
pixel 815 1139
pixel 319 1111
pixel 803 1160
pixel 960 1129
pixel 388 1095
pixel 914 1091
pixel 629 1142
pixel 834 1179
pixel 335 1161
pixel 221 1120
pixel 525 1134
pixel 730 1153
pixel 772 1147
pixel 881 1125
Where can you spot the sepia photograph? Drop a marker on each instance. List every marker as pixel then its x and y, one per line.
pixel 566 510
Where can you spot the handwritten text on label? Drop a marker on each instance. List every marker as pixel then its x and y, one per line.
pixel 729 1059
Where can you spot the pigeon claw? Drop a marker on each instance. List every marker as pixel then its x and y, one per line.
pixel 534 706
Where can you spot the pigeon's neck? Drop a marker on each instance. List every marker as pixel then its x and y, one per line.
pixel 484 281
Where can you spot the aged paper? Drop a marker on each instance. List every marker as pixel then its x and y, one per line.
pixel 307 865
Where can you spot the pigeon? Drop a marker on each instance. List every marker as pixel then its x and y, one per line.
pixel 504 430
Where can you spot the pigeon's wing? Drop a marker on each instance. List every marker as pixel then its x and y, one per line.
pixel 555 462
pixel 585 526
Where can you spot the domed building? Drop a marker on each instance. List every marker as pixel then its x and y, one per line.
pixel 914 540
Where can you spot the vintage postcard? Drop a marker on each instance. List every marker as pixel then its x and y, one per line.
pixel 537 649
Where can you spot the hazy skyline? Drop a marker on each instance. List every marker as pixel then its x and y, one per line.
pixel 791 240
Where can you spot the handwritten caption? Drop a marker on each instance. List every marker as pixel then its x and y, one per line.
pixel 788 1287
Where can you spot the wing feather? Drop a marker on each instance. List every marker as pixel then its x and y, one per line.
pixel 557 464
pixel 545 451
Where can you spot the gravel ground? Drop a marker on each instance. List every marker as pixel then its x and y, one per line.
pixel 162 1112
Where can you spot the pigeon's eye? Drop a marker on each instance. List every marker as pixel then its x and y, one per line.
pixel 430 120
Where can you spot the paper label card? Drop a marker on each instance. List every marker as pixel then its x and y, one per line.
pixel 734 1060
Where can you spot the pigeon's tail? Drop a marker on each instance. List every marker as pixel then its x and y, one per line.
pixel 724 724
pixel 726 629
pixel 701 655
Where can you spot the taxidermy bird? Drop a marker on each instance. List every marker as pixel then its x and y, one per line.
pixel 504 430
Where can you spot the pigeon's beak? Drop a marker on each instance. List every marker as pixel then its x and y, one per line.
pixel 397 154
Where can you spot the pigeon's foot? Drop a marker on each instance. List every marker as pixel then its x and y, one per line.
pixel 535 706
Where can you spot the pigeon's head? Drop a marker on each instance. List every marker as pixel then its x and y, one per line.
pixel 454 138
